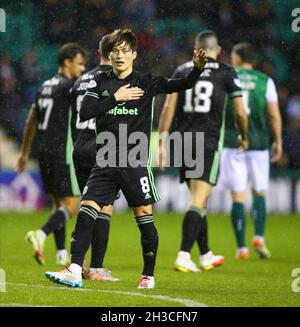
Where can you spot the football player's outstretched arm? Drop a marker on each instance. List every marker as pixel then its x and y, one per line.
pixel 171 85
pixel 167 114
pixel 29 132
pixel 165 122
pixel 242 122
pixel 276 125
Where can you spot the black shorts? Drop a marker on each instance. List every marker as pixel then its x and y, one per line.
pixel 211 163
pixel 137 185
pixel 83 171
pixel 82 174
pixel 84 159
pixel 58 177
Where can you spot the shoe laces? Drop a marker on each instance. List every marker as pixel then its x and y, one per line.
pixel 66 271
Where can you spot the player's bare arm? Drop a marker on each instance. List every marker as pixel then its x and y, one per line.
pixel 242 123
pixel 165 122
pixel 276 125
pixel 29 132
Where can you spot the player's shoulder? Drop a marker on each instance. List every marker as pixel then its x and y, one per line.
pixel 101 70
pixel 260 74
pixel 253 75
pixel 225 68
pixel 54 85
pixel 92 78
pixel 144 79
pixel 103 74
pixel 227 72
pixel 64 84
pixel 185 67
pixel 86 77
pixel 53 81
pixel 144 76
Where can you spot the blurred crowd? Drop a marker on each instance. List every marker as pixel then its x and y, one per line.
pixel 165 31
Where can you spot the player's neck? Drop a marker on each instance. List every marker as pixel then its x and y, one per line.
pixel 65 72
pixel 105 62
pixel 211 55
pixel 124 74
pixel 245 66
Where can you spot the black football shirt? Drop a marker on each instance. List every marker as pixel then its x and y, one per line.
pixel 52 104
pixel 83 133
pixel 202 108
pixel 133 116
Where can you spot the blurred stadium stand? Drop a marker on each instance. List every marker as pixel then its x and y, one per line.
pixel 165 30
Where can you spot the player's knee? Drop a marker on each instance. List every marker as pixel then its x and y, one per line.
pixel 238 197
pixel 107 210
pixel 72 210
pixel 259 193
pixel 142 210
pixel 199 199
pixel 73 207
pixel 90 203
pixel 199 203
pixel 71 204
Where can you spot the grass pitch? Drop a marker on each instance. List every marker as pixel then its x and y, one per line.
pixel 253 283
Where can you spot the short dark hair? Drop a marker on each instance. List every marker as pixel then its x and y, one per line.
pixel 70 51
pixel 123 35
pixel 104 46
pixel 246 51
pixel 203 40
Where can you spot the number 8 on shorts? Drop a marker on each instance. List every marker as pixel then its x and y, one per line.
pixel 145 184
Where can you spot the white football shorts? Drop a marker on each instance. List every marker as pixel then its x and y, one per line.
pixel 238 169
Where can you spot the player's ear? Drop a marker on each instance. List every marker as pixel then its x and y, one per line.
pixel 134 54
pixel 219 50
pixel 67 63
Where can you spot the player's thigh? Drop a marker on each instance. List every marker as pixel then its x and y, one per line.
pixel 100 188
pixel 258 163
pixel 199 192
pixel 46 171
pixel 82 175
pixel 222 179
pixel 209 169
pixel 137 185
pixel 233 171
pixel 64 181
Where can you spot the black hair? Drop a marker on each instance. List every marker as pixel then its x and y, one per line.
pixel 246 51
pixel 123 35
pixel 70 51
pixel 104 46
pixel 207 40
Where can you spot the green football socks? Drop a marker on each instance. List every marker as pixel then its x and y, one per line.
pixel 259 214
pixel 238 218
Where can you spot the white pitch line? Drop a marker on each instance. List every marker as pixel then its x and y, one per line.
pixel 186 302
pixel 22 305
